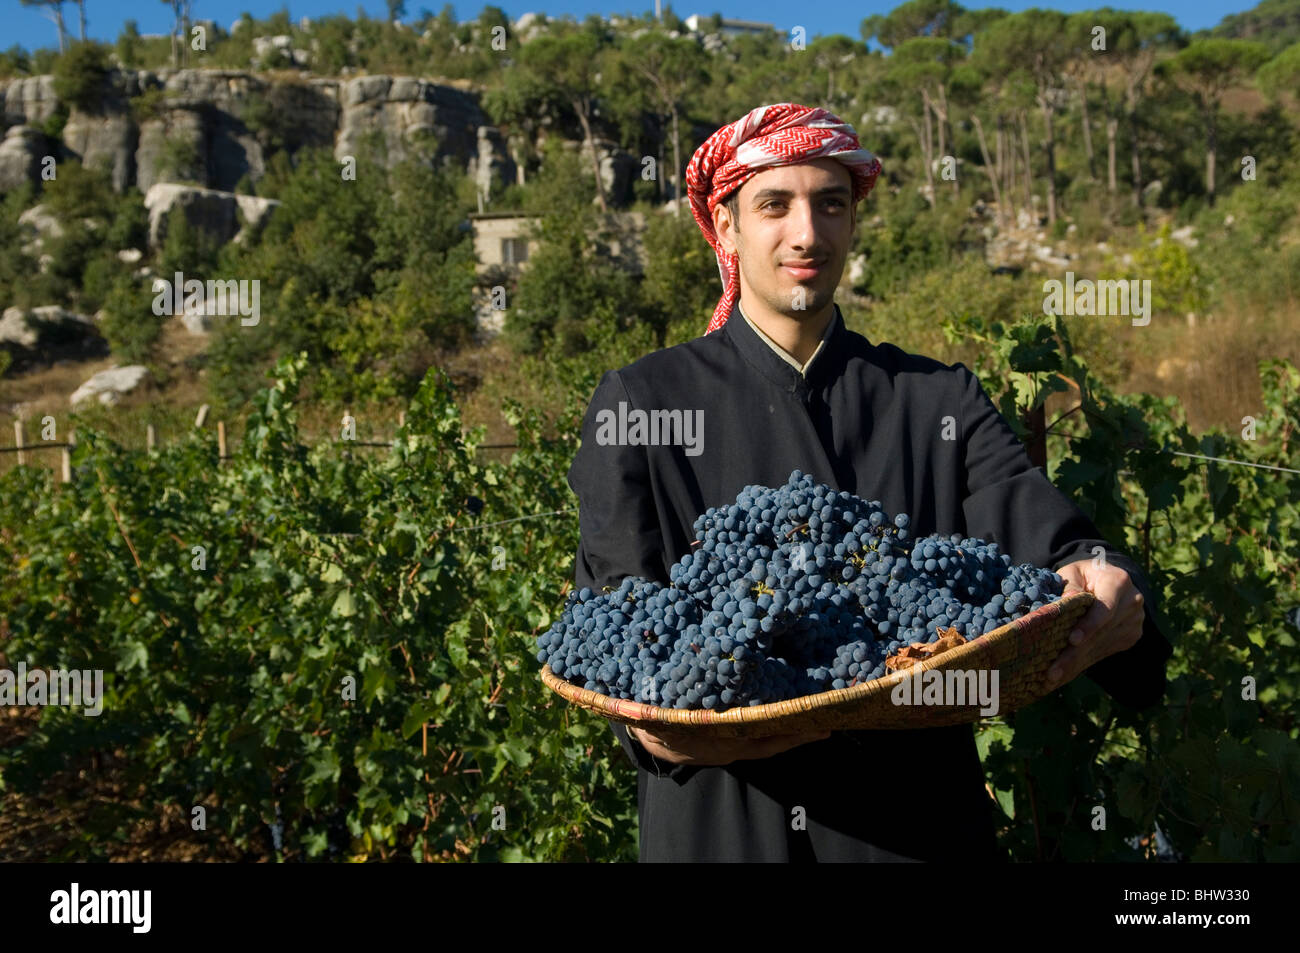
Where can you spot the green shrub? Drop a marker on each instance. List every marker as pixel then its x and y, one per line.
pixel 69 255
pixel 79 192
pixel 102 272
pixel 570 294
pixel 130 224
pixel 16 267
pixel 130 325
pixel 180 161
pixel 961 290
pixel 187 248
pixel 150 104
pixel 130 46
pixel 81 74
pixel 911 238
pixel 681 273
pixel 1129 215
pixel 15 62
pixel 44 61
pixel 52 125
pixel 1177 283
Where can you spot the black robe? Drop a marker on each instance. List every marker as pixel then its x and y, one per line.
pixel 921 437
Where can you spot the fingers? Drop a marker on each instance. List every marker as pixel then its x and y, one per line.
pixel 1116 597
pixel 1091 621
pixel 775 744
pixel 1116 635
pixel 1074 581
pixel 691 748
pixel 1103 615
pixel 648 738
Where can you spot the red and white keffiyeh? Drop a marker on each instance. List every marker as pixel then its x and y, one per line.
pixel 773 135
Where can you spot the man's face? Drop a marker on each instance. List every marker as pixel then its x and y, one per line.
pixel 778 232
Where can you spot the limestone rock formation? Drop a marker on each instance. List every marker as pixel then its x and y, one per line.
pixel 109 385
pixel 212 127
pixel 211 210
pixel 21 154
pixel 36 336
pixel 28 100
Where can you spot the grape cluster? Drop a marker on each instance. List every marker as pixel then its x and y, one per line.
pixel 789 591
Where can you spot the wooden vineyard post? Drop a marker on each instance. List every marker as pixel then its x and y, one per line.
pixel 221 442
pixel 150 437
pixel 1035 422
pixel 18 441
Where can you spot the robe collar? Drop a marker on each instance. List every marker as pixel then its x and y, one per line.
pixel 828 365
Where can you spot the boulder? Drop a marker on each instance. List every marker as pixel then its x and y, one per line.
pixel 45 326
pixel 28 100
pixel 1047 255
pixel 197 318
pixel 402 110
pixel 880 116
pixel 108 139
pixel 206 209
pixel 110 385
pixel 857 270
pixel 528 24
pixel 255 211
pixel 177 128
pixel 265 47
pixel 406 89
pixel 38 223
pixel 212 210
pixel 42 336
pixel 366 89
pixel 20 156
pixel 489 321
pixel 1184 236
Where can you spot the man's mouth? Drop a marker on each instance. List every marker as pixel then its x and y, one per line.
pixel 802 271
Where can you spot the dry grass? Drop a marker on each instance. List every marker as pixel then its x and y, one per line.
pixel 482 377
pixel 1211 367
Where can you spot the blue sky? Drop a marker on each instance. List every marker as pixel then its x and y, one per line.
pixel 29 28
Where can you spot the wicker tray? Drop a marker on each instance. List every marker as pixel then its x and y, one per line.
pixel 1021 652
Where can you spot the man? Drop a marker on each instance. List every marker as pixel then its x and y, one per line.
pixel 782 384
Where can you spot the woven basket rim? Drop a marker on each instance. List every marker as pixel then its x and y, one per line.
pixel 978 648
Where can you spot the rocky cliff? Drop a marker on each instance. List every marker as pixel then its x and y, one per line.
pixel 213 127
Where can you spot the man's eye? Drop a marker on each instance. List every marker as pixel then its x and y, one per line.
pixel 837 202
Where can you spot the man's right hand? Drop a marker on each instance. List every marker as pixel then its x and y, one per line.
pixel 683 746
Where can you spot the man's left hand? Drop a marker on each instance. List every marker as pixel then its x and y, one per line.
pixel 1113 624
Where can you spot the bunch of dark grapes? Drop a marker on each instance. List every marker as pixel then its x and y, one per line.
pixel 789 591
